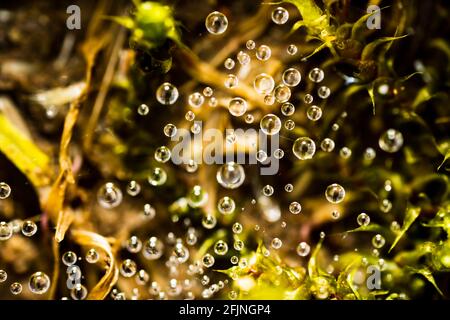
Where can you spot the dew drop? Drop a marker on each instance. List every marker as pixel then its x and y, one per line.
pixel 280 15
pixel 335 193
pixel 263 53
pixel 263 83
pixel 314 113
pixel 157 177
pixel 291 77
pixel 226 205
pixel 216 23
pixel 270 124
pixel 363 219
pixel 109 196
pixel 316 75
pixel 143 109
pixel 196 100
pixel 39 283
pixel 391 141
pixel 303 249
pixel 167 94
pixel 304 148
pixel 231 175
pixel 237 106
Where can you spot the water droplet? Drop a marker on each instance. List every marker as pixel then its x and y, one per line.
pixel 237 228
pixel 78 292
pixel 167 94
pixel 289 124
pixel 280 15
pixel 238 245
pixel 209 221
pixel 308 98
pixel 143 109
pixel 291 77
pixel 316 75
pixel 335 193
pixel 385 205
pixel 191 166
pixel 128 268
pixel 197 197
pixel 249 118
pixel 303 249
pixel 208 91
pixel 237 106
pixel 231 81
pixel 162 154
pixel 269 99
pixel 5 231
pixel 304 148
pixel 391 141
pixel 395 226
pixel 5 190
pixel 270 124
pixel 216 23
pixel 276 243
pixel 289 187
pixel 287 109
pixel 133 188
pixel 142 277
pixel 363 219
pixel 69 258
pixel 29 228
pixel 109 196
pixel 229 63
pixel 189 116
pixel 149 211
pixel 157 177
pixel 323 92
pixel 335 214
pixel 295 207
pixel 230 175
pixel 243 58
pixel 226 205
pixel 170 130
pixel 263 53
pixel 282 93
pixel 92 256
pixel 378 241
pixel 278 153
pixel 3 275
pixel 267 190
pixel 213 102
pixel 153 249
pixel 208 260
pixel 15 288
pixel 181 252
pixel 220 247
pixel 263 83
pixel 345 152
pixel 39 283
pixel 314 113
pixel 292 49
pixel 133 244
pixel 196 100
pixel 250 44
pixel 261 156
pixel 327 145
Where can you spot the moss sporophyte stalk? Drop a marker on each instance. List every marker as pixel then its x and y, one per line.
pixel 224 150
